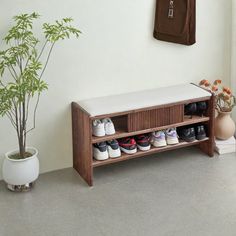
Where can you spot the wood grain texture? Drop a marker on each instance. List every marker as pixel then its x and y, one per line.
pixel 82 148
pixel 155 118
pixel 209 146
pixel 132 123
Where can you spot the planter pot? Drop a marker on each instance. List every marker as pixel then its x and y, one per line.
pixel 20 174
pixel 224 126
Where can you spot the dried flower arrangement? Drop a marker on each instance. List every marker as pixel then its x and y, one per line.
pixel 225 100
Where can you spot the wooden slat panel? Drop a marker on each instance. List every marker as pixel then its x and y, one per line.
pixel 176 114
pixel 155 118
pixel 159 117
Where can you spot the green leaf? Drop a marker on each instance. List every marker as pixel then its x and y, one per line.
pixel 60 30
pixel 22 59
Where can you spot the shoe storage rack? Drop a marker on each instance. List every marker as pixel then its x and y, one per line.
pixel 133 117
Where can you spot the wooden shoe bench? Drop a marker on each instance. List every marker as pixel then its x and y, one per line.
pixel 138 113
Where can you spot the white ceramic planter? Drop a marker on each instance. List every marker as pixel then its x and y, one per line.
pixel 21 172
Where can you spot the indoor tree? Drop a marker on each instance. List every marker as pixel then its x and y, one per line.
pixel 22 65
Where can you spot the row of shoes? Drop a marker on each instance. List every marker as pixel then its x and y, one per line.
pixel 130 145
pixel 143 142
pixel 106 127
pixel 192 133
pixel 196 108
pixel 103 127
pixel 112 148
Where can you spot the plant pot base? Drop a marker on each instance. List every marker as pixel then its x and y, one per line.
pixel 20 188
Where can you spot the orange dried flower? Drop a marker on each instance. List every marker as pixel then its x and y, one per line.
pixel 214 88
pixel 224 97
pixel 202 82
pixel 227 90
pixel 217 82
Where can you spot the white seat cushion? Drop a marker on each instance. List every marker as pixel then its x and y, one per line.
pixel 142 99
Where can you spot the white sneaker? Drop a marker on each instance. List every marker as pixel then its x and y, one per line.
pixel 100 152
pixel 172 136
pixel 113 149
pixel 109 126
pixel 158 139
pixel 98 128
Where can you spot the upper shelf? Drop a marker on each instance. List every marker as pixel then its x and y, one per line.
pixel 143 99
pixel 122 133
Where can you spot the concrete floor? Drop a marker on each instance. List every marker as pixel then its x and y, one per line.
pixel 177 193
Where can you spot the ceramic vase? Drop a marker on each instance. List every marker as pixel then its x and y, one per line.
pixel 224 125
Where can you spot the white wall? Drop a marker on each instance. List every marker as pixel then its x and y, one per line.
pixel 233 55
pixel 115 54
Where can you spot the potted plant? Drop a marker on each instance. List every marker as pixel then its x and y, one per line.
pixel 225 102
pixel 21 85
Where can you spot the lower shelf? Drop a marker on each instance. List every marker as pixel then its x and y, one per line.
pixel 145 153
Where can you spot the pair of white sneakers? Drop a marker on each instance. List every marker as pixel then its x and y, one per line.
pixel 164 137
pixel 104 150
pixel 103 127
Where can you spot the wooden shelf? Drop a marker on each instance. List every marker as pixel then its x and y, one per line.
pixel 153 113
pixel 153 150
pixel 121 134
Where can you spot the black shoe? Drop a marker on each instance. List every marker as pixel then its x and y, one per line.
pixel 128 145
pixel 143 142
pixel 190 109
pixel 201 108
pixel 200 132
pixel 100 152
pixel 187 134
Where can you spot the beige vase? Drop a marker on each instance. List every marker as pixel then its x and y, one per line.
pixel 224 126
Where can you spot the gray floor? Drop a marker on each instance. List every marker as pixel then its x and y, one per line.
pixel 176 193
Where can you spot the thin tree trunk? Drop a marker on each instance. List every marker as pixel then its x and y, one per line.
pixel 21 131
pixel 21 146
pixel 24 125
